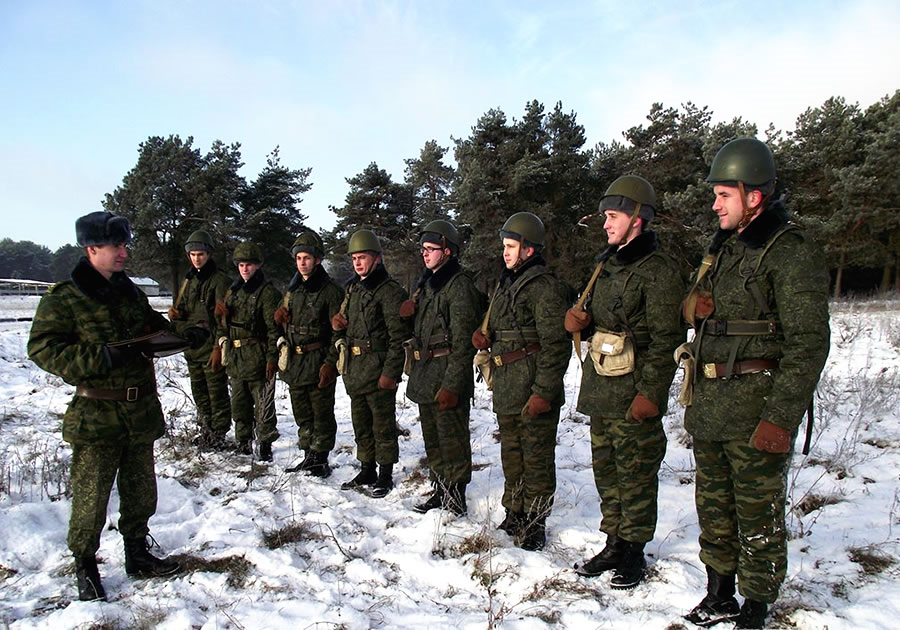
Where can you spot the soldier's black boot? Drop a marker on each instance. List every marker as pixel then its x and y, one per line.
pixel 607 560
pixel 435 501
pixel 533 532
pixel 265 451
pixel 719 604
pixel 318 464
pixel 243 448
pixel 753 614
pixel 139 562
pixel 512 523
pixel 365 477
pixel 455 499
pixel 88 577
pixel 631 568
pixel 304 463
pixel 385 481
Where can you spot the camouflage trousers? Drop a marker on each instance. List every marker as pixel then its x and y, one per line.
pixel 253 409
pixel 447 442
pixel 374 418
pixel 528 456
pixel 210 391
pixel 626 458
pixel 93 470
pixel 740 497
pixel 314 414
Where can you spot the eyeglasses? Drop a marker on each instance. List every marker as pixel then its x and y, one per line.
pixel 430 250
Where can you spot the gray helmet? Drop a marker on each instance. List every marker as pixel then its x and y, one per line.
pixel 524 226
pixel 744 160
pixel 247 252
pixel 626 192
pixel 199 241
pixel 363 241
pixel 309 243
pixel 102 228
pixel 441 233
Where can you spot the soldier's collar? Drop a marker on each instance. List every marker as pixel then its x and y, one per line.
pixel 442 276
pixel 251 285
pixel 763 227
pixel 93 285
pixel 375 279
pixel 203 273
pixel 641 245
pixel 534 261
pixel 317 279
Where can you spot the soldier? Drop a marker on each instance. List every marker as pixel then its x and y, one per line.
pixel 203 287
pixel 530 352
pixel 247 335
pixel 115 415
pixel 307 355
pixel 370 318
pixel 447 307
pixel 631 305
pixel 759 309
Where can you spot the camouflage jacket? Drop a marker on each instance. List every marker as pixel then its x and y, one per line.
pixel 638 292
pixel 375 328
pixel 250 323
pixel 204 287
pixel 448 309
pixel 792 277
pixel 529 300
pixel 73 323
pixel 311 304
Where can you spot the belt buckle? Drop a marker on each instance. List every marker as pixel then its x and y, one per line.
pixel 417 355
pixel 498 360
pixel 356 350
pixel 131 394
pixel 709 370
pixel 298 349
pixel 236 343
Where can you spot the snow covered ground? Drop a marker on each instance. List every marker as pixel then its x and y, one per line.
pixel 265 549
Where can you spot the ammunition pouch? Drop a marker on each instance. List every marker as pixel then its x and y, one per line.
pixel 612 353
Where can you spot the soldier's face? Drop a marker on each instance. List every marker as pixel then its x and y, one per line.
pixel 306 264
pixel 514 254
pixel 108 259
pixel 616 226
pixel 363 263
pixel 247 269
pixel 728 205
pixel 198 258
pixel 433 256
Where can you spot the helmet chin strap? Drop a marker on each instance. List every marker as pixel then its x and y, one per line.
pixel 748 212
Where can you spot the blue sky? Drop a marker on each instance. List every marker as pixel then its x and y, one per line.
pixel 341 84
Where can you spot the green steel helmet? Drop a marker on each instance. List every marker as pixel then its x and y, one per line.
pixel 744 160
pixel 199 241
pixel 309 243
pixel 363 241
pixel 626 192
pixel 247 252
pixel 441 233
pixel 524 226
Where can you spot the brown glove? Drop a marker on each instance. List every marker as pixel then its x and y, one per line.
pixel 641 409
pixel 271 368
pixel 480 340
pixel 327 376
pixel 407 309
pixel 705 306
pixel 174 314
pixel 535 406
pixel 215 359
pixel 770 438
pixel 577 320
pixel 338 322
pixel 221 310
pixel 386 382
pixel 446 399
pixel 282 317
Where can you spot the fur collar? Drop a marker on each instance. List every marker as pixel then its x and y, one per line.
pixel 640 246
pixel 437 280
pixel 203 273
pixel 511 274
pixel 317 279
pixel 374 280
pixel 93 285
pixel 773 217
pixel 255 281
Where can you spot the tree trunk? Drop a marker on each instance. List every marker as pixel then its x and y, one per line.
pixel 840 274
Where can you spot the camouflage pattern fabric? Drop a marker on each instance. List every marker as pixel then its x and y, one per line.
pixel 314 415
pixel 251 310
pixel 528 457
pixel 375 426
pixel 249 419
pixel 447 442
pixel 210 391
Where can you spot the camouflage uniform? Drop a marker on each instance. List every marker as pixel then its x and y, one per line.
pixel 203 288
pixel 311 304
pixel 740 491
pixel 111 439
pixel 638 292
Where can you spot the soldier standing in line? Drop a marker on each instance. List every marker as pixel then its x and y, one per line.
pixel 307 355
pixel 447 306
pixel 247 335
pixel 630 307
pixel 759 308
pixel 115 415
pixel 203 287
pixel 373 365
pixel 530 352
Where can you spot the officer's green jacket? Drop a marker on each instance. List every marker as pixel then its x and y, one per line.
pixel 73 323
pixel 311 303
pixel 375 326
pixel 793 279
pixel 205 287
pixel 530 297
pixel 448 309
pixel 639 292
pixel 250 320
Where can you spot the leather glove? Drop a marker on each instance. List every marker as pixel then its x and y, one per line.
pixel 705 306
pixel 282 317
pixel 271 368
pixel 480 340
pixel 221 309
pixel 446 399
pixel 641 408
pixel 770 438
pixel 196 336
pixel 215 359
pixel 535 406
pixel 386 382
pixel 338 322
pixel 327 376
pixel 174 314
pixel 407 309
pixel 577 320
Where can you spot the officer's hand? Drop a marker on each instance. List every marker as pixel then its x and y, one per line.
pixel 215 359
pixel 386 382
pixel 327 375
pixel 535 406
pixel 196 336
pixel 338 322
pixel 480 340
pixel 770 438
pixel 446 399
pixel 407 309
pixel 577 320
pixel 282 317
pixel 221 309
pixel 271 368
pixel 642 408
pixel 174 314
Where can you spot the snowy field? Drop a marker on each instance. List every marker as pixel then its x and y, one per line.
pixel 265 549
